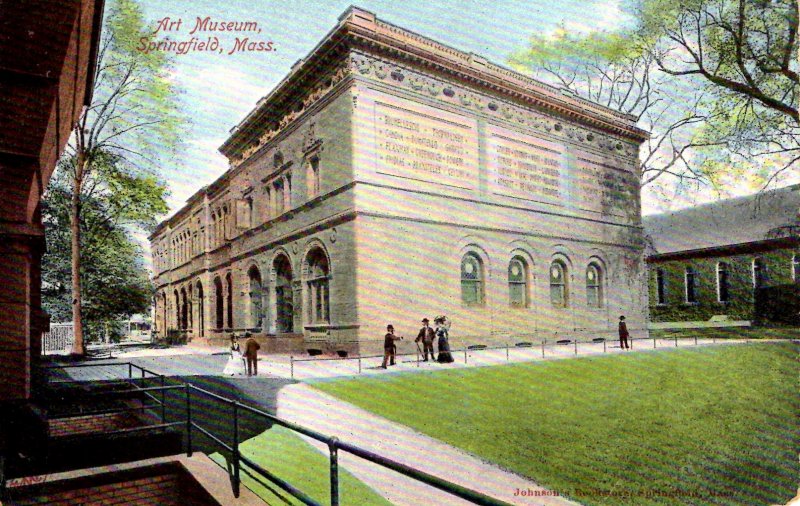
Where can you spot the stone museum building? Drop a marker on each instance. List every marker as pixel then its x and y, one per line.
pixel 389 177
pixel 736 259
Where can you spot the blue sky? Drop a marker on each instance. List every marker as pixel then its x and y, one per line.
pixel 221 89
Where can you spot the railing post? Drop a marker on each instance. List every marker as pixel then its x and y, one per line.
pixel 359 364
pixel 695 339
pixel 604 345
pixel 544 341
pixel 235 446
pixel 576 346
pixel 334 450
pixel 163 404
pixel 631 342
pixel 291 366
pixel 130 371
pixel 676 340
pixel 188 387
pixel 465 354
pixel 507 353
pixel 654 343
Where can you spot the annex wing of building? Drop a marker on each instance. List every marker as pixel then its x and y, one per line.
pixel 390 177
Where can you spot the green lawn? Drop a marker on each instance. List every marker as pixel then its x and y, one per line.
pixel 713 425
pixel 292 459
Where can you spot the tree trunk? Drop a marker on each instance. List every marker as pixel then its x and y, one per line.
pixel 75 231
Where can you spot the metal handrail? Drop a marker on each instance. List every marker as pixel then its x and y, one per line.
pixel 334 445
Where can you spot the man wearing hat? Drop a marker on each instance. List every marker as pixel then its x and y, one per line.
pixel 389 348
pixel 623 334
pixel 426 335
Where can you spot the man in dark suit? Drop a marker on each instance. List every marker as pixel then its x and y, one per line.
pixel 623 334
pixel 426 335
pixel 389 348
pixel 251 348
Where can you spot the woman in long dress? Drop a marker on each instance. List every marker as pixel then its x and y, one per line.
pixel 236 364
pixel 442 328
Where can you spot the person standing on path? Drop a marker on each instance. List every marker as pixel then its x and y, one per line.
pixel 623 334
pixel 426 335
pixel 251 348
pixel 389 348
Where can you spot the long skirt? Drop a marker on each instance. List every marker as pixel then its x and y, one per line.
pixel 444 351
pixel 235 366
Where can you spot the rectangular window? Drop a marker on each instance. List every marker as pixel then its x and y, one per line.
pixel 313 177
pixel 661 288
pixel 723 292
pixel 691 286
pixel 278 187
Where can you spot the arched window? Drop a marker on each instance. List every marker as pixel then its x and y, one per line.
pixel 256 313
pixel 723 286
pixel 317 275
pixel 471 279
pixel 661 287
pixel 594 286
pixel 759 272
pixel 690 280
pixel 558 284
pixel 518 282
pixel 219 303
pixel 229 286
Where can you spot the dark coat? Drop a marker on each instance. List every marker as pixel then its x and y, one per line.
pixel 251 348
pixel 425 337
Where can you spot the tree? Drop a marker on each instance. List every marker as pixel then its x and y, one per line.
pixel 745 52
pixel 618 70
pixel 130 126
pixel 114 278
pixel 676 71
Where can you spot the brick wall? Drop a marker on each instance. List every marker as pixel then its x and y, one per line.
pixel 159 485
pixel 92 424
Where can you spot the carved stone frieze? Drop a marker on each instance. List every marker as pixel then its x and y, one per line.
pixel 390 73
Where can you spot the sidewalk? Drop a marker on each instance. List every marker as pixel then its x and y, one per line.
pixel 311 408
pixel 302 368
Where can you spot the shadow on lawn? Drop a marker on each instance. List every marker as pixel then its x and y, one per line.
pixel 216 416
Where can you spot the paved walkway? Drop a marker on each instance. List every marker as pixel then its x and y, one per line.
pixel 305 405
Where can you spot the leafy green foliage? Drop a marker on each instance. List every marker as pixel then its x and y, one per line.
pixel 115 280
pixel 715 82
pixel 110 168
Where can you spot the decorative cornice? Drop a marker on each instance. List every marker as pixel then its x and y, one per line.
pixel 360 28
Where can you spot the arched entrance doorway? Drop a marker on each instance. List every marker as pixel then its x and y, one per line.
pixel 256 297
pixel 201 320
pixel 284 304
pixel 219 313
pixel 316 276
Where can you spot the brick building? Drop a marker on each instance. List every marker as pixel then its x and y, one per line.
pixel 736 258
pixel 390 177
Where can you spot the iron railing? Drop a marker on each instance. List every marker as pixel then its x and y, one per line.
pixel 465 350
pixel 191 425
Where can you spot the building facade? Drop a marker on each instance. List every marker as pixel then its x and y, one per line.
pixel 389 177
pixel 735 258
